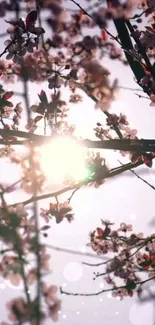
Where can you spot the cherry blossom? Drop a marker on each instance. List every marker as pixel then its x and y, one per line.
pixel 70 60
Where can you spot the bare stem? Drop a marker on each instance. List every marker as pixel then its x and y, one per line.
pixel 139 177
pixel 37 247
pixel 137 145
pixel 113 172
pixel 73 252
pixel 104 290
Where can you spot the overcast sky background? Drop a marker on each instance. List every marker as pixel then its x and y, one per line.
pixel 124 198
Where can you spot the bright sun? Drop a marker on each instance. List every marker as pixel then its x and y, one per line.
pixel 61 159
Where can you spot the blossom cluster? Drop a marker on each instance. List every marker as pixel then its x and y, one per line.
pixel 71 59
pixel 17 233
pixel 133 261
pixel 24 37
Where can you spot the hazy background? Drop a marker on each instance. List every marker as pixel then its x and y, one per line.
pixel 123 198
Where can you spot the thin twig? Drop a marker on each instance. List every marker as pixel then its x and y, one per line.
pixel 98 264
pixel 139 177
pixel 129 88
pixel 13 185
pixel 87 14
pixel 140 96
pixel 112 36
pixel 113 172
pixel 124 261
pixel 3 34
pixel 57 201
pixel 76 189
pixel 141 14
pixel 74 252
pixel 104 290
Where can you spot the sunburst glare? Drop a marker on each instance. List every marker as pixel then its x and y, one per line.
pixel 63 159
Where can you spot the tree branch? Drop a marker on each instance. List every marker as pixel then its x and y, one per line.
pixel 139 177
pixel 113 172
pixel 104 290
pixel 73 252
pixel 142 145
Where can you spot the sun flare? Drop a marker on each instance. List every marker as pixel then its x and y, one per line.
pixel 62 159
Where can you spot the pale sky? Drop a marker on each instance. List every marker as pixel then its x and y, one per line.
pixel 123 198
